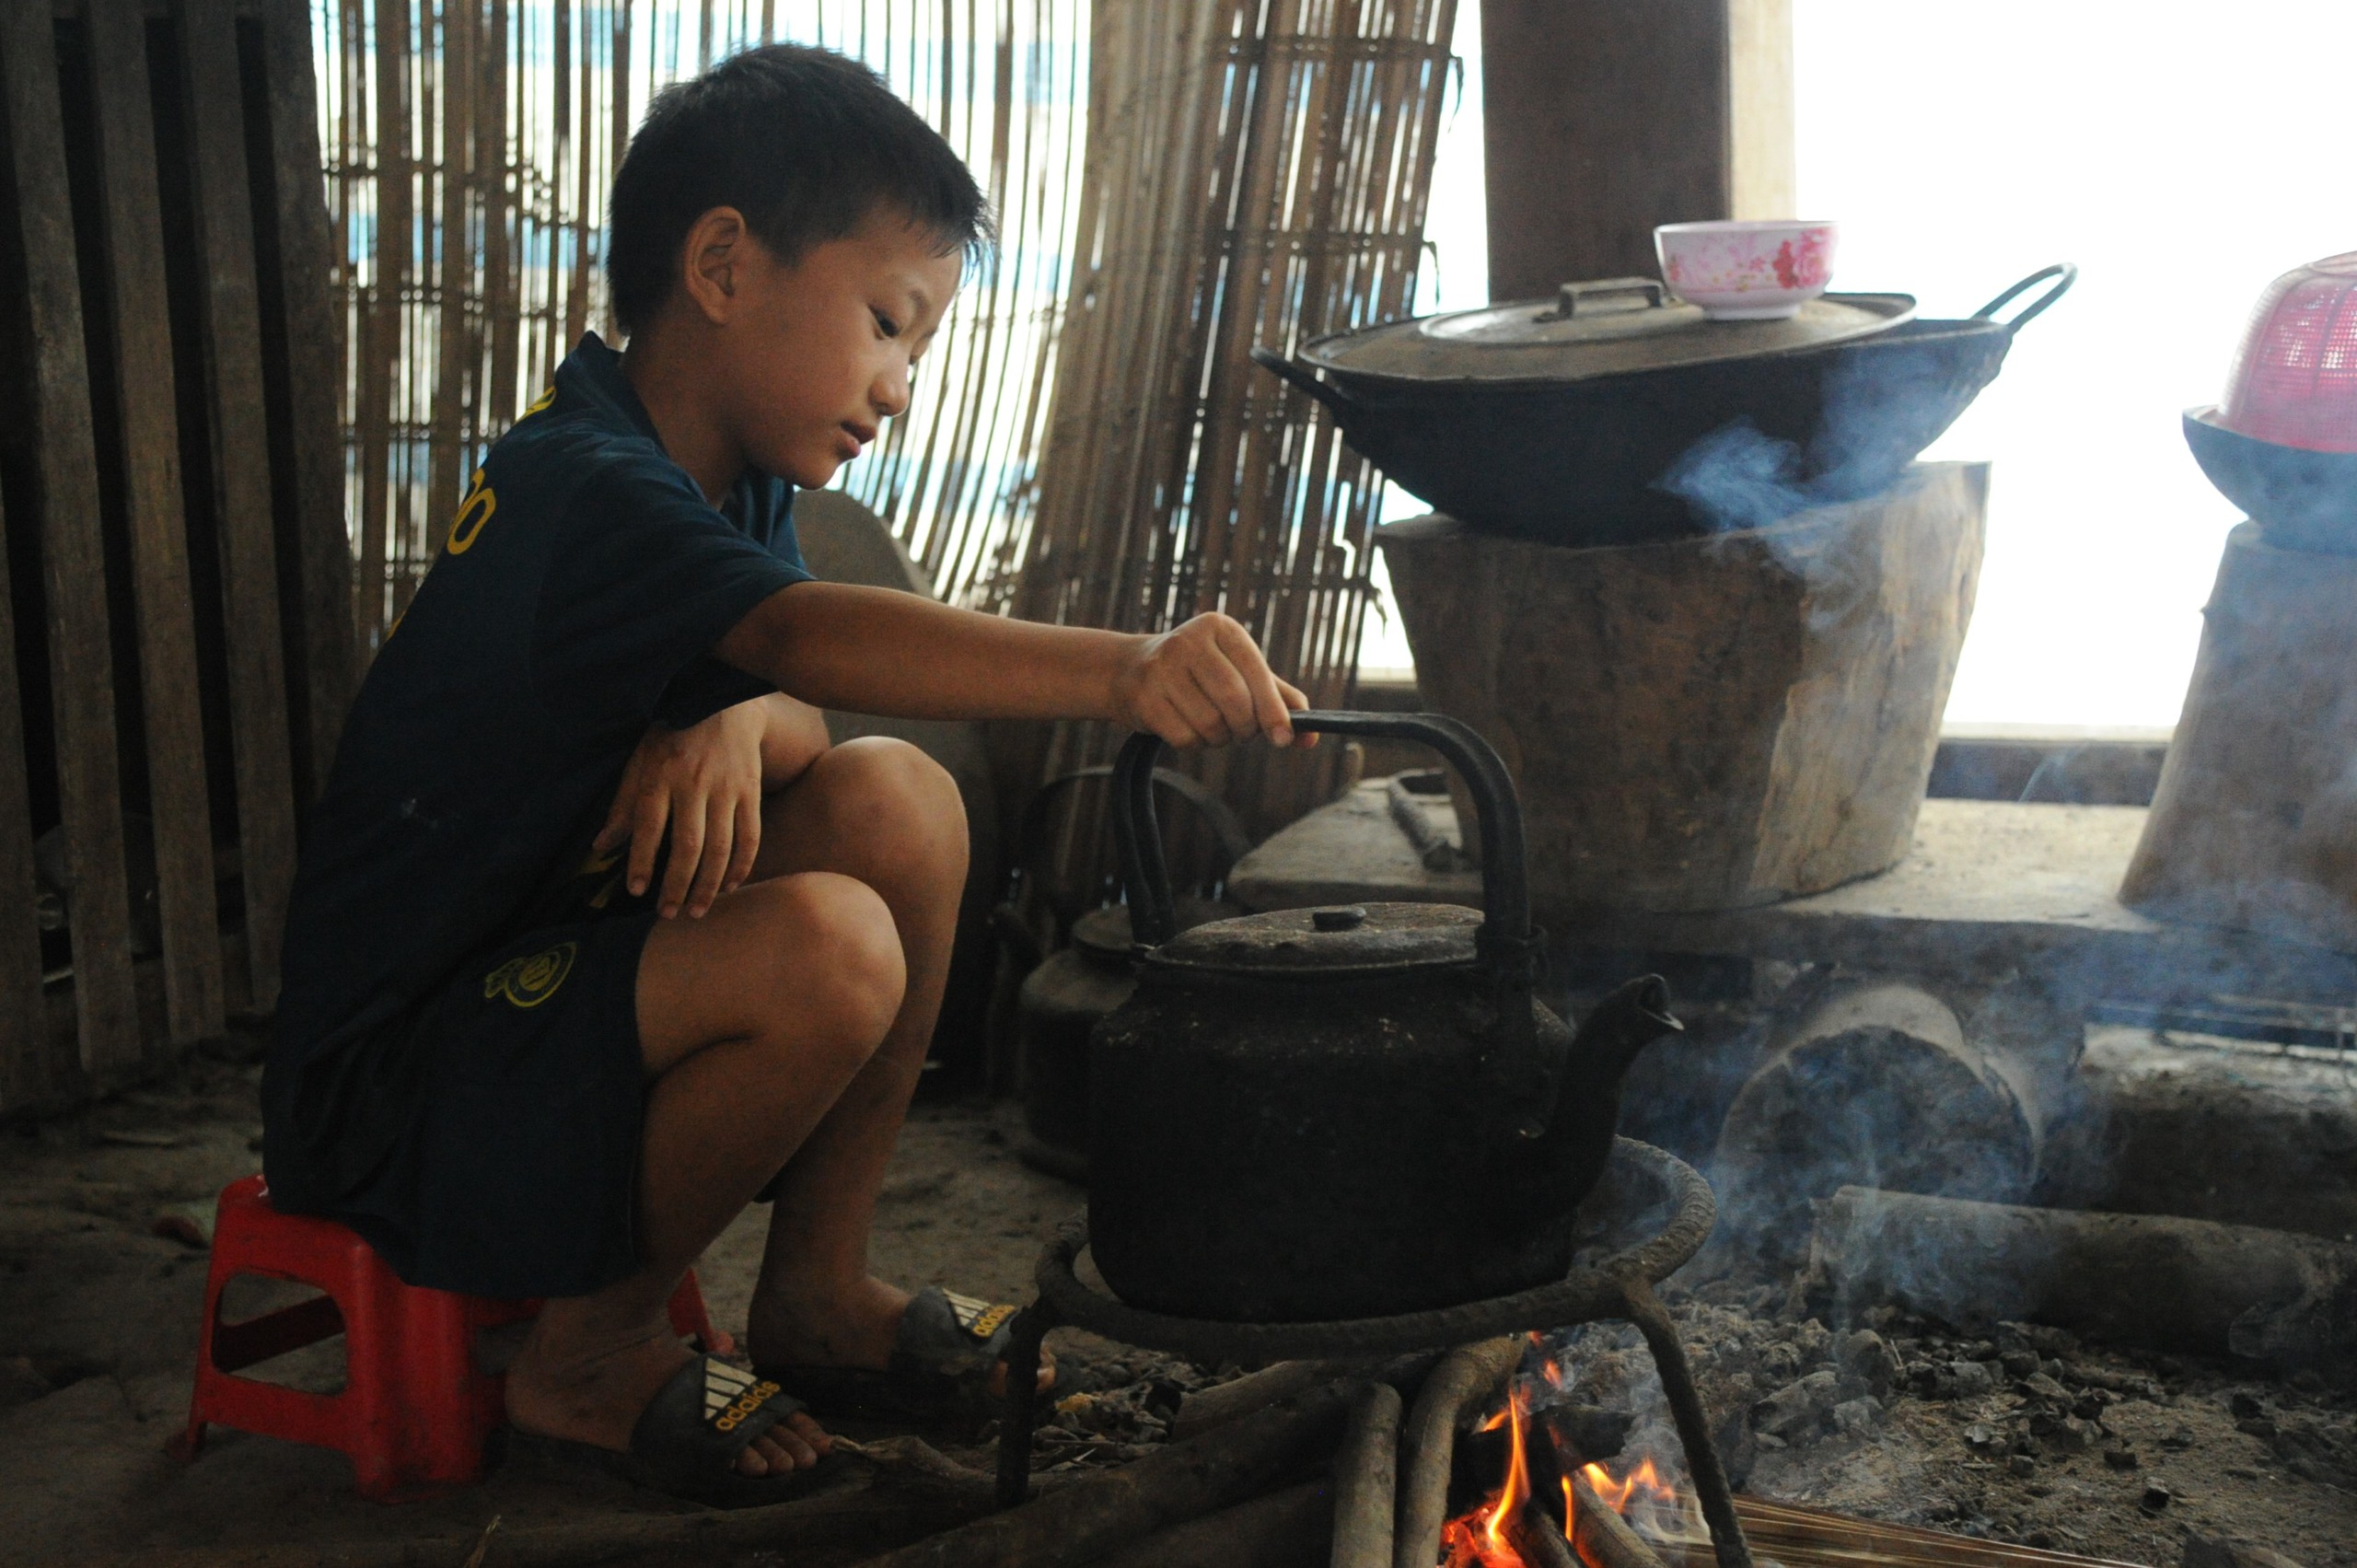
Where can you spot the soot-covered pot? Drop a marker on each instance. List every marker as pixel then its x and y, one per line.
pixel 1314 1114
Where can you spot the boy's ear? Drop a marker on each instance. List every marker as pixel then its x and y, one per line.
pixel 715 254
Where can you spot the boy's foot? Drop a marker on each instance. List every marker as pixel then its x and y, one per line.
pixel 594 1394
pixel 869 1334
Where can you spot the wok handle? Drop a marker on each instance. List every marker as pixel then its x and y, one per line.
pixel 1300 376
pixel 2066 270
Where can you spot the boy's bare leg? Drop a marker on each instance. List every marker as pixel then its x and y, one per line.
pixel 882 812
pixel 752 1021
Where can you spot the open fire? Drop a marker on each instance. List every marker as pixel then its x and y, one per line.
pixel 1486 1536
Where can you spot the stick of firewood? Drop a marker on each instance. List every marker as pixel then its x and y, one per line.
pixel 1467 1378
pixel 1224 1402
pixel 1092 1519
pixel 1604 1539
pixel 1535 1536
pixel 1283 1530
pixel 1366 1480
pixel 860 1514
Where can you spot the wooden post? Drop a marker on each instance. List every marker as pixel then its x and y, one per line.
pixel 142 391
pixel 1603 118
pixel 242 484
pixel 65 455
pixel 24 1020
pixel 2253 822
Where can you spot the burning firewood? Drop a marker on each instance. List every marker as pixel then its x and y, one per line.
pixel 1604 1539
pixel 1466 1381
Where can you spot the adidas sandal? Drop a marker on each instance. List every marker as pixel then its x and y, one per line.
pixel 686 1441
pixel 943 1355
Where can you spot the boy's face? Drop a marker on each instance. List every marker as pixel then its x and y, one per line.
pixel 817 355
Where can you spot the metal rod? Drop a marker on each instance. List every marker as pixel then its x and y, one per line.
pixel 1693 1427
pixel 1024 1337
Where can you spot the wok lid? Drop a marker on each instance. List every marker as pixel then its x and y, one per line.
pixel 1351 940
pixel 1590 330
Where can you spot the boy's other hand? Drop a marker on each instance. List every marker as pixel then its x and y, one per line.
pixel 703 784
pixel 1205 683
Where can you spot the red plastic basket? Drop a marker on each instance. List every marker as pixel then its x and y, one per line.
pixel 2295 380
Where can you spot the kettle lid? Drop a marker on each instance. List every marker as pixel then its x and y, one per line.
pixel 1355 940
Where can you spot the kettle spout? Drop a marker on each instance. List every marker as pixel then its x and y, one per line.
pixel 1624 1023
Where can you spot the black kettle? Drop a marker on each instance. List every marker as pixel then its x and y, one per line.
pixel 1346 1112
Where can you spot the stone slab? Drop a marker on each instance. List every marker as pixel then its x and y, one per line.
pixel 1988 888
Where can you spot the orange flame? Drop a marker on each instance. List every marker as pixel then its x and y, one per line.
pixel 1480 1537
pixel 1645 1485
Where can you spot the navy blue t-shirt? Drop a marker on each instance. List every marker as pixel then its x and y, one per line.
pixel 583 587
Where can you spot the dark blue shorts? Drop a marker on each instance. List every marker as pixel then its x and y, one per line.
pixel 516 1171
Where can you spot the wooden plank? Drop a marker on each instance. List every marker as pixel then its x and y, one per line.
pixel 142 385
pixel 241 477
pixel 81 667
pixel 315 350
pixel 1603 118
pixel 23 1031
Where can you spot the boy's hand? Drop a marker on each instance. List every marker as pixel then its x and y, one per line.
pixel 704 784
pixel 1205 683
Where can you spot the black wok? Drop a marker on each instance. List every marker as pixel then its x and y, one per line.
pixel 1584 462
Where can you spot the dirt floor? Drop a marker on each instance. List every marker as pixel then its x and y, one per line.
pixel 2027 1436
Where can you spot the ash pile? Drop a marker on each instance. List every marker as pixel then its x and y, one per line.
pixel 2027 1433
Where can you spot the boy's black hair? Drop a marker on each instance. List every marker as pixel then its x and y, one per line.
pixel 802 140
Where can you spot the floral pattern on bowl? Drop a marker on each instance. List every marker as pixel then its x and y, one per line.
pixel 1746 271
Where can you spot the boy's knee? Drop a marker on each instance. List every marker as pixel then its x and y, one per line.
pixel 912 798
pixel 836 964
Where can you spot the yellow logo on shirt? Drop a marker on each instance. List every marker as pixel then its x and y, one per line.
pixel 528 981
pixel 474 512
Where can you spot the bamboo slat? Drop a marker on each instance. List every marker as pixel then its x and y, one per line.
pixel 1256 175
pixel 1801 1536
pixel 517 258
pixel 141 384
pixel 24 1020
pixel 64 456
pixel 242 485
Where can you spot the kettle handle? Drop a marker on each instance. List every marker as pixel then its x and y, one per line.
pixel 1505 940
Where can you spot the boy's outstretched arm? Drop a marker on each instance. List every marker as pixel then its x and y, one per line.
pixel 877 651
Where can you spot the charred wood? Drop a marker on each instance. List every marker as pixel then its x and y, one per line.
pixel 1604 1539
pixel 1285 1529
pixel 1871 1082
pixel 1091 1519
pixel 1223 1402
pixel 2155 1281
pixel 1366 1480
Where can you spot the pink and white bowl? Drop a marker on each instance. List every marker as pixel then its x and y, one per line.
pixel 1746 270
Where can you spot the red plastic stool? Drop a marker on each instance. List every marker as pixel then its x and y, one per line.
pixel 415 1408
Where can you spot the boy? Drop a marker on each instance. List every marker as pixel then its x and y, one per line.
pixel 595 940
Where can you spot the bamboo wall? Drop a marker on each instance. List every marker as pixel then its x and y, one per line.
pixel 1257 173
pixel 175 637
pixel 470 147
